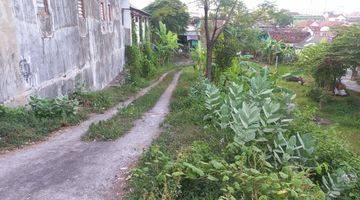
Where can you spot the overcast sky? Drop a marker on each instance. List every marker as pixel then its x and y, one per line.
pixel 302 6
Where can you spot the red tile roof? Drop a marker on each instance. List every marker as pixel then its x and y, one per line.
pixel 289 35
pixel 303 24
pixel 330 24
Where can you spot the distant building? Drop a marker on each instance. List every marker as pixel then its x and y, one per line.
pixel 191 37
pixel 330 16
pixel 319 30
pixel 298 18
pixel 290 36
pixel 353 20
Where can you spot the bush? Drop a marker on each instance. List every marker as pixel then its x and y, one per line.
pixel 149 61
pixel 19 126
pixel 261 153
pixel 226 49
pixel 133 59
pixel 318 95
pixel 54 108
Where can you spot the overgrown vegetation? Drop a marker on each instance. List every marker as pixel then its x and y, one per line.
pixel 342 112
pixel 19 126
pixel 25 125
pixel 257 146
pixel 115 127
pixel 166 44
pixel 328 62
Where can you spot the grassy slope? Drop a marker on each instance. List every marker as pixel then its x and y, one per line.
pixel 343 112
pixel 20 126
pixel 123 121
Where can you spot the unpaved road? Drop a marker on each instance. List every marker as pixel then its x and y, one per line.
pixel 65 168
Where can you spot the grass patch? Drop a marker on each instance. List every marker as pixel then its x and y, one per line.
pixel 23 125
pixel 182 126
pixel 343 112
pixel 178 164
pixel 100 101
pixel 115 127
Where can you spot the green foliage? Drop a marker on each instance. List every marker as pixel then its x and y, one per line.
pixel 166 43
pixel 328 62
pixel 173 13
pixel 271 49
pixel 261 149
pixel 318 95
pixel 115 127
pixel 311 57
pixel 198 55
pixel 283 18
pixel 141 61
pixel 346 46
pixel 20 126
pixel 226 49
pixel 54 108
pixel 268 12
pixel 149 61
pixel 329 71
pixel 134 59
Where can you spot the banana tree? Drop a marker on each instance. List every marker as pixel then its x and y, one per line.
pixel 272 49
pixel 166 43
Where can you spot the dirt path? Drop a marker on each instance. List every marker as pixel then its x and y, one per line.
pixel 65 168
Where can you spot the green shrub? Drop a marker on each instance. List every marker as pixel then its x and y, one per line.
pixel 133 61
pixel 264 150
pixel 54 108
pixel 318 95
pixel 19 126
pixel 149 61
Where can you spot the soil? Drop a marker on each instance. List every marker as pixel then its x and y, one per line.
pixel 66 168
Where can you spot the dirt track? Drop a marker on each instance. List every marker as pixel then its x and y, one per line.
pixel 66 168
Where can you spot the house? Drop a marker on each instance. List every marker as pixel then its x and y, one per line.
pixel 330 16
pixel 50 46
pixel 190 38
pixel 353 20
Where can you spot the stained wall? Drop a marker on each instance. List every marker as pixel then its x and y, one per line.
pixel 48 47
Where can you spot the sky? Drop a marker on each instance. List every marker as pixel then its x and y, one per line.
pixel 302 6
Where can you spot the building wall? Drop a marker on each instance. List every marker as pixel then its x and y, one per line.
pixel 49 54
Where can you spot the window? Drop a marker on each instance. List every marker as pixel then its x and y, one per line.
pixel 81 9
pixel 102 11
pixel 109 11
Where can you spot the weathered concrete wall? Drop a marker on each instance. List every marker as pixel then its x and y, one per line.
pixel 47 54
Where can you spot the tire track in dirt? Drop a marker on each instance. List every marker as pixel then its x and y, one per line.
pixel 66 168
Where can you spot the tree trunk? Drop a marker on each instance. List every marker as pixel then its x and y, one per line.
pixel 209 53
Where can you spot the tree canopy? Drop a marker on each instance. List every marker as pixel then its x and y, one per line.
pixel 268 12
pixel 173 13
